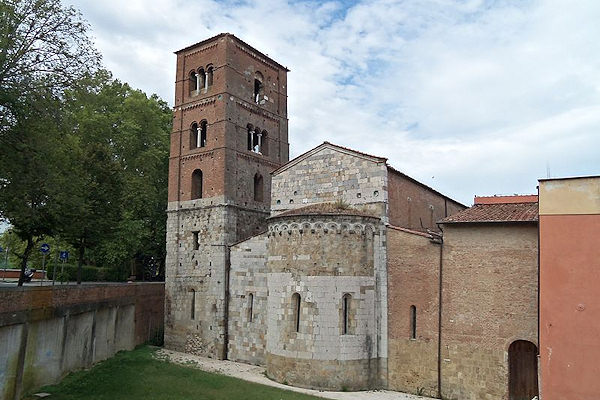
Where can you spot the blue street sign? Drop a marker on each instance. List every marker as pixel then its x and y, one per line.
pixel 1 249
pixel 63 255
pixel 45 248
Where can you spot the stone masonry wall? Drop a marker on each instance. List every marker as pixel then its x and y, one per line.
pixel 248 314
pixel 489 300
pixel 195 274
pixel 331 175
pixel 322 258
pixel 413 273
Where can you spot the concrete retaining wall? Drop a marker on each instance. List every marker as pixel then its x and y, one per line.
pixel 47 332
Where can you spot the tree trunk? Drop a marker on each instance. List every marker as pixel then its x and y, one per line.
pixel 24 259
pixel 80 261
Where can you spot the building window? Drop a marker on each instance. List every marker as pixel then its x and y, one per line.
pixel 193 82
pixel 258 88
pixel 197 184
pixel 202 134
pixel 201 78
pixel 250 307
pixel 346 300
pixel 257 140
pixel 264 144
pixel 258 187
pixel 209 76
pixel 194 135
pixel 296 301
pixel 193 305
pixel 196 244
pixel 413 322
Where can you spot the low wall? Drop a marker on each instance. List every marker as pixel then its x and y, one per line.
pixel 14 273
pixel 47 332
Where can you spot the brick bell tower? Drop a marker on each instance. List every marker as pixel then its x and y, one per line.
pixel 229 133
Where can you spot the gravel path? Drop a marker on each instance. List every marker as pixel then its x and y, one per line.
pixel 253 373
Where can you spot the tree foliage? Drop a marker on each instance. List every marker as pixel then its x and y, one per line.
pixel 42 45
pixel 84 157
pixel 120 197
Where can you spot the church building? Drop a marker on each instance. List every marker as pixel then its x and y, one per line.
pixel 334 270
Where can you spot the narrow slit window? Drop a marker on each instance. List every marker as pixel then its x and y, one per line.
pixel 193 82
pixel 250 307
pixel 194 136
pixel 201 78
pixel 250 137
pixel 202 134
pixel 264 144
pixel 197 184
pixel 296 301
pixel 413 322
pixel 193 305
pixel 209 76
pixel 196 245
pixel 258 88
pixel 346 314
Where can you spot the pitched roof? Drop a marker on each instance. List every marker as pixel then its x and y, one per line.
pixel 495 213
pixel 220 35
pixel 322 146
pixel 402 174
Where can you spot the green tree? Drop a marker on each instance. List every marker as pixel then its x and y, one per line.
pixel 43 49
pixel 33 155
pixel 120 198
pixel 42 44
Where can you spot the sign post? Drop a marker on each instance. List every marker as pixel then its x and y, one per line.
pixel 64 256
pixel 5 262
pixel 45 249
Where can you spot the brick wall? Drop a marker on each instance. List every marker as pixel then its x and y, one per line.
pixel 489 300
pixel 415 206
pixel 413 280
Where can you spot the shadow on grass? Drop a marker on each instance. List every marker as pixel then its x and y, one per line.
pixel 137 375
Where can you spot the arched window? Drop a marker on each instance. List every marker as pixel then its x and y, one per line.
pixel 250 134
pixel 202 133
pixel 197 184
pixel 413 322
pixel 198 134
pixel 209 76
pixel 193 305
pixel 258 88
pixel 346 300
pixel 264 144
pixel 296 301
pixel 194 134
pixel 201 78
pixel 258 187
pixel 250 306
pixel 193 82
pixel 257 140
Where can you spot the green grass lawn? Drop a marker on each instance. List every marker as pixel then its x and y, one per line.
pixel 138 375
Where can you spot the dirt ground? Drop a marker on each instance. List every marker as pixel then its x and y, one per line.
pixel 253 373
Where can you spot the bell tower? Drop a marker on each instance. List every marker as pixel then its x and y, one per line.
pixel 229 133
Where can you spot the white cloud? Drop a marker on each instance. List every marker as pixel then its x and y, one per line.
pixel 472 97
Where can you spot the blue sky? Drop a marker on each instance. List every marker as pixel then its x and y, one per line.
pixel 470 97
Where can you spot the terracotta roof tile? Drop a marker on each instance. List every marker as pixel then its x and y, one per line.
pixel 500 212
